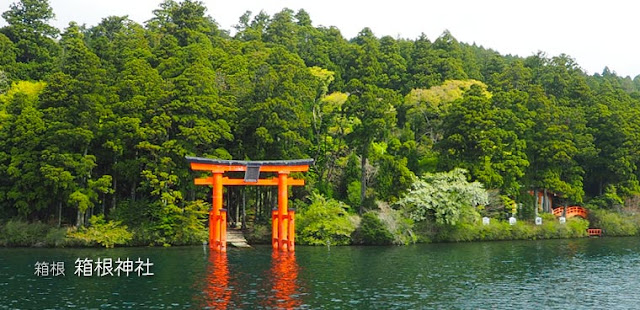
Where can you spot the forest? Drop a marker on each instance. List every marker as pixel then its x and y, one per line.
pixel 412 139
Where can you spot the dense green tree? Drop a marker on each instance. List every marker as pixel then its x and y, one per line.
pixel 21 138
pixel 33 37
pixel 374 109
pixel 117 40
pixel 422 66
pixel 282 30
pixel 449 57
pixel 73 106
pixel 7 57
pixel 185 20
pixel 478 137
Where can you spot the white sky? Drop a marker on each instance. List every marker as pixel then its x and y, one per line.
pixel 594 32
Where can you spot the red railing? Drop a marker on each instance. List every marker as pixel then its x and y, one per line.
pixel 558 211
pixel 594 232
pixel 571 212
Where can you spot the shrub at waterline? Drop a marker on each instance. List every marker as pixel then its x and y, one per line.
pixel 18 233
pixel 102 232
pixel 615 224
pixel 502 230
pixel 324 222
pixel 443 197
pixel 372 231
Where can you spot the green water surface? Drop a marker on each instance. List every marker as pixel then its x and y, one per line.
pixel 549 274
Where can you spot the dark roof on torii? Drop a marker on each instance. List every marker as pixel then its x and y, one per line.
pixel 212 161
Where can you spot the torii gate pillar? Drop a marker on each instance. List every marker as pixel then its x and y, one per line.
pixel 283 218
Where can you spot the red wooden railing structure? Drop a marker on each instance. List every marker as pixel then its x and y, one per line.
pixel 571 212
pixel 283 233
pixel 594 232
pixel 577 211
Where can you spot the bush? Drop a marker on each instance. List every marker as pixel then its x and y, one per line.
pixel 101 232
pixel 324 222
pixel 496 230
pixel 444 197
pixel 259 234
pixel 189 228
pixel 615 224
pixel 522 231
pixel 400 227
pixel 145 235
pixel 57 238
pixel 372 231
pixel 21 233
pixel 577 227
pixel 551 228
pixel 461 232
pixel 502 230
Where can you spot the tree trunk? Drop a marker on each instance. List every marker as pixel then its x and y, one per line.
pixel 80 219
pixel 59 213
pixel 115 193
pixel 133 191
pixel 363 181
pixel 535 194
pixel 237 219
pixel 244 210
pixel 258 205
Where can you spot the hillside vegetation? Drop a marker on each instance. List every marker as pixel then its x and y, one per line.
pixel 97 121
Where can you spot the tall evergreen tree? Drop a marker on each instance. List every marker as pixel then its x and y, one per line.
pixel 28 28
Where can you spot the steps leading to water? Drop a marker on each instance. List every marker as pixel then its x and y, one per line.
pixel 236 238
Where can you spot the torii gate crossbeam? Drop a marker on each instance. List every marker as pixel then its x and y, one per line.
pixel 283 218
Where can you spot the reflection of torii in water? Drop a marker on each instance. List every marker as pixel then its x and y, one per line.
pixel 282 283
pixel 283 233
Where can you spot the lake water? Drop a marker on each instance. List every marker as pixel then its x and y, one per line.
pixel 560 274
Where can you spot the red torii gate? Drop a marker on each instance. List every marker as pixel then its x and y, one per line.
pixel 283 233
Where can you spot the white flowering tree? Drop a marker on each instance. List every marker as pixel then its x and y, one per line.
pixel 444 196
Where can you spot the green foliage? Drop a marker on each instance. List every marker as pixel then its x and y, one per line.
pixel 385 226
pixel 483 139
pixel 609 200
pixel 21 233
pixel 80 200
pixel 189 224
pixel 57 238
pixel 324 222
pixel 444 197
pixel 353 193
pixel 502 230
pixel 372 231
pixel 615 224
pixel 107 234
pixel 123 103
pixel 260 234
pixel 32 36
pixel 374 109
